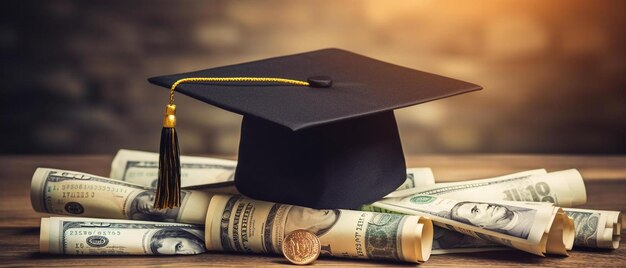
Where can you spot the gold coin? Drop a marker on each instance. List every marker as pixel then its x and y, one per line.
pixel 301 247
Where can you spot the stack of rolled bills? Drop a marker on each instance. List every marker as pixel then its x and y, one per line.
pixel 529 211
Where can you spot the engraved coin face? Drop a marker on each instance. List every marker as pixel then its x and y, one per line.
pixel 301 247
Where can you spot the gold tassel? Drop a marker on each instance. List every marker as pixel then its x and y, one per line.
pixel 168 187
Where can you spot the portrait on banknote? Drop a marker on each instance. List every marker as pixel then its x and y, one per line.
pixel 506 219
pixel 141 208
pixel 175 240
pixel 313 220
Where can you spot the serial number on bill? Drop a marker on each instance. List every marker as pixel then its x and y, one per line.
pixel 99 232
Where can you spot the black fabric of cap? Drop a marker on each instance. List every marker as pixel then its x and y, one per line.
pixel 334 144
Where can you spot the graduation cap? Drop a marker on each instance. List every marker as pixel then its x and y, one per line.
pixel 318 128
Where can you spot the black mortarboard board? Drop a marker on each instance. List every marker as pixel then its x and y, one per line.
pixel 320 147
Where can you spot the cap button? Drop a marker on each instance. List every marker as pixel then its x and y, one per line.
pixel 320 81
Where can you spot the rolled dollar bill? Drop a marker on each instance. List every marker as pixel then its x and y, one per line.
pixel 596 228
pixel 593 228
pixel 142 168
pixel 562 188
pixel 235 223
pixel 88 236
pixel 75 193
pixel 536 228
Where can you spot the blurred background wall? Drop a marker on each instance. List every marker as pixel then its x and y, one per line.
pixel 74 72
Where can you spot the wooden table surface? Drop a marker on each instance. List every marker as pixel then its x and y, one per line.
pixel 605 179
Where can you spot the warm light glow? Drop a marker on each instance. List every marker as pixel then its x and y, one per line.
pixel 553 71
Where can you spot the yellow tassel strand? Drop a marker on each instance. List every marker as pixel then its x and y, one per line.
pixel 234 79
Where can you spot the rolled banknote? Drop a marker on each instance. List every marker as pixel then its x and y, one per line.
pixel 536 228
pixel 142 168
pixel 88 236
pixel 235 223
pixel 593 228
pixel 562 188
pixel 596 228
pixel 75 193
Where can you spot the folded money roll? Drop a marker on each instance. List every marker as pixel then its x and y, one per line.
pixel 562 188
pixel 537 228
pixel 239 224
pixel 75 193
pixel 88 236
pixel 593 228
pixel 596 228
pixel 142 168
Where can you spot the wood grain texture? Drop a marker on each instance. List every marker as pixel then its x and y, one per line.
pixel 605 179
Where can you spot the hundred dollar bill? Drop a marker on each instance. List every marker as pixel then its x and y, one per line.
pixel 80 194
pixel 239 224
pixel 88 236
pixel 536 228
pixel 142 168
pixel 593 228
pixel 562 188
